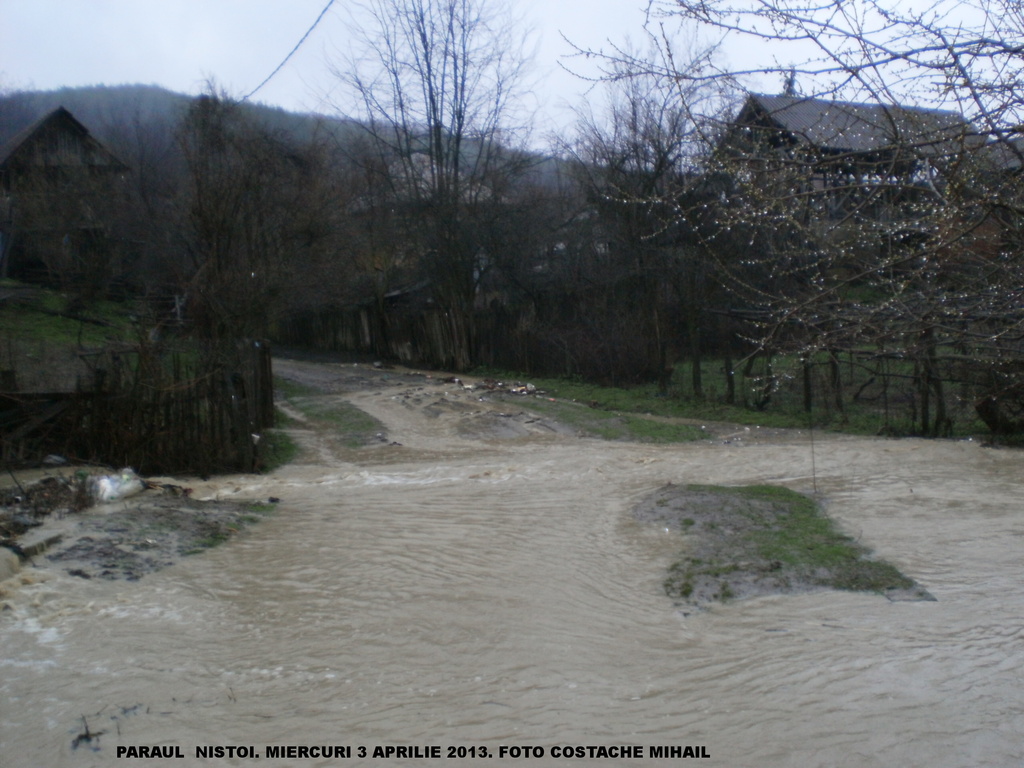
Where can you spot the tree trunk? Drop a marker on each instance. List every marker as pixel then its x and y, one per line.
pixel 730 381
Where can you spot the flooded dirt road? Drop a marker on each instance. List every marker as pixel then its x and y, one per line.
pixel 477 579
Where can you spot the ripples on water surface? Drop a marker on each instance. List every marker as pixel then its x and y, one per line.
pixel 506 596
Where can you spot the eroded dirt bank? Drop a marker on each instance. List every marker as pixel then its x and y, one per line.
pixel 51 522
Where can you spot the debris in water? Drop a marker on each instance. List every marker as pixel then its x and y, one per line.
pixel 87 736
pixel 104 488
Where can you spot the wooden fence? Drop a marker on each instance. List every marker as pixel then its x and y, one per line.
pixel 509 338
pixel 158 410
pixel 933 395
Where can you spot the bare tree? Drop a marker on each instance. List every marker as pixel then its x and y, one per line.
pixel 641 164
pixel 962 56
pixel 255 213
pixel 148 216
pixel 435 81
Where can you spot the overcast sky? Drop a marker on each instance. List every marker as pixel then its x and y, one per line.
pixel 180 44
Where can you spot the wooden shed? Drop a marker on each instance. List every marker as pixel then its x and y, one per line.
pixel 59 186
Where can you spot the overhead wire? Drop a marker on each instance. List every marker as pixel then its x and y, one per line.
pixel 291 53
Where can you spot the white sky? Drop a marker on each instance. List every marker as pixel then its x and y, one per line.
pixel 180 44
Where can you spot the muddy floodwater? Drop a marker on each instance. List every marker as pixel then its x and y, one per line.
pixel 476 579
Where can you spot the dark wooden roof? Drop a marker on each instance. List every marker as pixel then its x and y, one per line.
pixel 57 139
pixel 847 127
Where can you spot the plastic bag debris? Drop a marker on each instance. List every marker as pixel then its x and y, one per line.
pixel 114 487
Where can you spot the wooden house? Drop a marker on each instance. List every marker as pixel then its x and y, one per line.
pixel 844 161
pixel 60 190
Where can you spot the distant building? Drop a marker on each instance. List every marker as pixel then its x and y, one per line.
pixel 871 162
pixel 59 193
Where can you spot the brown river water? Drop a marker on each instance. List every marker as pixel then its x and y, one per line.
pixel 478 586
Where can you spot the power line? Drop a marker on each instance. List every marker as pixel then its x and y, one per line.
pixel 292 52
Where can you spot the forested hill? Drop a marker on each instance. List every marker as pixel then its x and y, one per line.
pixel 106 110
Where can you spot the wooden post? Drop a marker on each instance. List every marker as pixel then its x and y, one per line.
pixel 730 381
pixel 808 398
pixel 835 375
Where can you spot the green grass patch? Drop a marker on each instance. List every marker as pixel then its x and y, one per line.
pixel 277 449
pixel 256 512
pixel 211 540
pixel 289 390
pixel 261 508
pixel 284 420
pixel 643 400
pixel 763 539
pixel 351 426
pixel 41 316
pixel 204 532
pixel 612 425
pixel 871 403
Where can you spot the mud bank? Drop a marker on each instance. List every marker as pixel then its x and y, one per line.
pixel 118 540
pixel 741 542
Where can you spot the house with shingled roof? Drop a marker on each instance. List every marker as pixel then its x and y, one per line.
pixel 848 161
